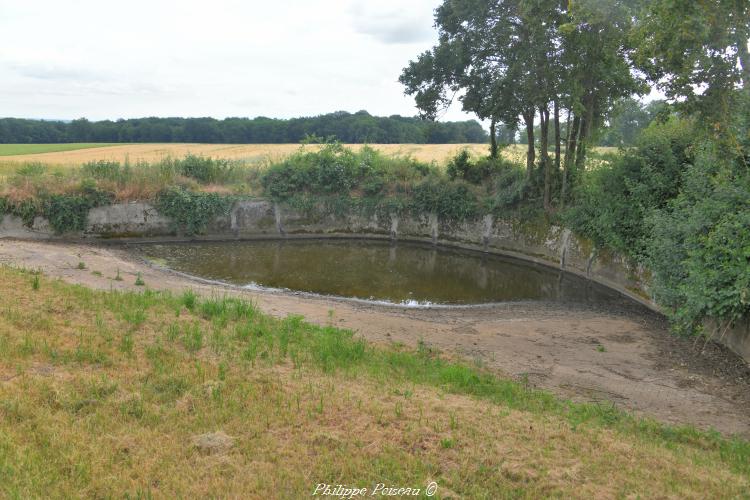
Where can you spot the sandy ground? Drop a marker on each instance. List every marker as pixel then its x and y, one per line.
pixel 643 368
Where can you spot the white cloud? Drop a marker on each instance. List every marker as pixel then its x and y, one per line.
pixel 113 59
pixel 395 22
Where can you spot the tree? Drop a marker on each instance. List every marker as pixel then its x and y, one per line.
pixel 523 60
pixel 627 118
pixel 697 53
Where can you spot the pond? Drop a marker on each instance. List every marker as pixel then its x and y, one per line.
pixel 375 270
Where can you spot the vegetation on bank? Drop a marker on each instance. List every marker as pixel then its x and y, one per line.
pixel 119 393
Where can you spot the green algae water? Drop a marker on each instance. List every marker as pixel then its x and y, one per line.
pixel 374 270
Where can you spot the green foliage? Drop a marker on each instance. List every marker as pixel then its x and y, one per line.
pixel 475 172
pixel 332 169
pixel 336 180
pixel 202 169
pixel 613 202
pixel 449 200
pixel 191 212
pixel 679 205
pixel 69 212
pixel 627 119
pixel 208 170
pixel 700 248
pixel 510 184
pixel 26 209
pixel 33 169
pixel 359 127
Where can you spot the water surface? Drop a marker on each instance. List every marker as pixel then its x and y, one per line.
pixel 377 270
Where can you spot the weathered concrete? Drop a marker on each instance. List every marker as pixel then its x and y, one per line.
pixel 126 219
pixel 553 246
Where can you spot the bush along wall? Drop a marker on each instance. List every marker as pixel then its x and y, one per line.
pixel 191 212
pixel 65 212
pixel 338 181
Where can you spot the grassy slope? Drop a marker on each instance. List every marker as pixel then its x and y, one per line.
pixel 102 393
pixel 25 149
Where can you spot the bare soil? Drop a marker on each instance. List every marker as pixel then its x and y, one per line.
pixel 618 357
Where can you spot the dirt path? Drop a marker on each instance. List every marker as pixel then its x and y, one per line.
pixel 630 360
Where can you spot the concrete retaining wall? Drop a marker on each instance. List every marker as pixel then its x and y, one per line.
pixel 252 219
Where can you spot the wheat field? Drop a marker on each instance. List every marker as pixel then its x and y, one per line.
pixel 251 153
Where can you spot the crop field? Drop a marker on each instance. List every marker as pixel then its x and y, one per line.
pixel 33 149
pixel 77 154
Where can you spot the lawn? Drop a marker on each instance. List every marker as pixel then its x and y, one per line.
pixel 141 394
pixel 25 149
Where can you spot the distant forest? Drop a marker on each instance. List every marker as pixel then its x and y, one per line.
pixel 360 127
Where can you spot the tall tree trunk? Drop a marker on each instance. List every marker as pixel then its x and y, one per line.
pixel 585 133
pixel 493 139
pixel 528 118
pixel 581 149
pixel 544 148
pixel 557 137
pixel 570 151
pixel 744 63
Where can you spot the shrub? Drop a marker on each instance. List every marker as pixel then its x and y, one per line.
pixel 208 170
pixel 283 180
pixel 612 203
pixel 509 187
pixel 336 170
pixel 475 172
pixel 449 200
pixel 191 212
pixel 103 169
pixel 69 212
pixel 699 252
pixel 33 169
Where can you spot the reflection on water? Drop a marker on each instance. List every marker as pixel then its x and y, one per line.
pixel 378 270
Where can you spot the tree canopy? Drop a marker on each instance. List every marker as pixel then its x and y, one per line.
pixel 360 127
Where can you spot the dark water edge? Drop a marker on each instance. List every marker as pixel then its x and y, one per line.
pixel 376 270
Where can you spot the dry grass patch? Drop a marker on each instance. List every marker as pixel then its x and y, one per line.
pixel 110 394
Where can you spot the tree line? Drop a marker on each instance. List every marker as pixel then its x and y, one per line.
pixel 558 68
pixel 360 127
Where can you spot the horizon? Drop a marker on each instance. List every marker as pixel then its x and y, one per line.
pixel 467 118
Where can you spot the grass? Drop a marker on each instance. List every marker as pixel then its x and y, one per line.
pixel 26 149
pixel 104 394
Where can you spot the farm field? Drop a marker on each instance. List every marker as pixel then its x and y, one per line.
pixel 77 154
pixel 27 149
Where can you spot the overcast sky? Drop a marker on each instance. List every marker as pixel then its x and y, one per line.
pixel 132 58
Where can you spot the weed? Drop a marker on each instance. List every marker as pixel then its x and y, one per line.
pixel 127 343
pixel 447 443
pixel 192 337
pixel 188 299
pixel 139 280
